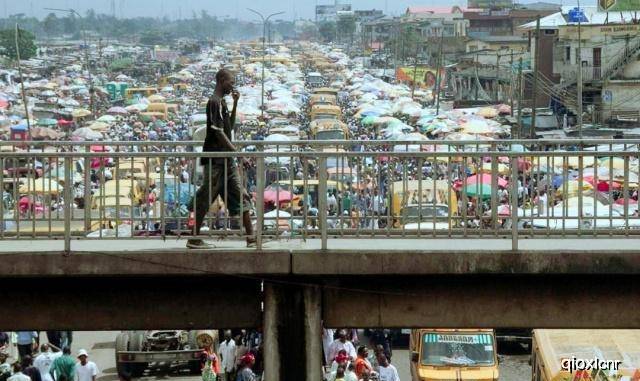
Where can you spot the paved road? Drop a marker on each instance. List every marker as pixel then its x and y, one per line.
pixel 101 346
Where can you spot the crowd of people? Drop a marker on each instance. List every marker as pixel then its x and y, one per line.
pixel 51 361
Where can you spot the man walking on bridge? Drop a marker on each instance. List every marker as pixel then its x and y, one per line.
pixel 220 174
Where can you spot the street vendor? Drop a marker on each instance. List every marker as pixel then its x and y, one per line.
pixel 218 139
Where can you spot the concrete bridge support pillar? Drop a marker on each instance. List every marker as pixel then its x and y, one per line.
pixel 292 333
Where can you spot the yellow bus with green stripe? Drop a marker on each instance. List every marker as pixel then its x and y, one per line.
pixel 453 355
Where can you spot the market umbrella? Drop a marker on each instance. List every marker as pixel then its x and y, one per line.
pixel 40 186
pixel 274 196
pixel 80 113
pixel 44 133
pixel 98 126
pixel 487 112
pixel 485 179
pixel 367 120
pixel 47 122
pixel 87 134
pixel 107 119
pixel 478 190
pixel 118 110
pixel 615 162
pixel 155 98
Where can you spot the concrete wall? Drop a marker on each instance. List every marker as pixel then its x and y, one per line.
pixel 626 96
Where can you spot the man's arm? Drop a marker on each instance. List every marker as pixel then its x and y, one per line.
pixel 235 95
pixel 213 108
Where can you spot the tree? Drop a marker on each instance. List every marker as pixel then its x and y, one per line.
pixel 327 31
pixel 346 27
pixel 26 42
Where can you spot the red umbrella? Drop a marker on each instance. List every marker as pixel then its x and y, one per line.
pixel 64 122
pixel 485 178
pixel 620 201
pixel 271 196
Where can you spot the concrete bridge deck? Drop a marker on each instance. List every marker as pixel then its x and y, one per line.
pixel 44 258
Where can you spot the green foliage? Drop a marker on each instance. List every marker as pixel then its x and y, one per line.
pixel 201 25
pixel 121 64
pixel 327 31
pixel 26 42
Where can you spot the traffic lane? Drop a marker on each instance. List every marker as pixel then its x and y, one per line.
pixel 101 348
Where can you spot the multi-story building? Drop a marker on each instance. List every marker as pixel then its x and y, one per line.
pixel 329 13
pixel 609 52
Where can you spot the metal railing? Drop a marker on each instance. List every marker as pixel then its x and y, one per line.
pixel 328 190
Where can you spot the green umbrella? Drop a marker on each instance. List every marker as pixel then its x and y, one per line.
pixel 367 120
pixel 475 190
pixel 47 122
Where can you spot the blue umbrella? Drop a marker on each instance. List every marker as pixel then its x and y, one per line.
pixel 557 181
pixel 369 113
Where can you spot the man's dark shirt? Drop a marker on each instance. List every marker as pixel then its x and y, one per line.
pixel 217 117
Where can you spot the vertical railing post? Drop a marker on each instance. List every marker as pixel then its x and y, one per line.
pixel 514 203
pixel 87 190
pixel 68 203
pixel 260 184
pixel 494 187
pixel 322 200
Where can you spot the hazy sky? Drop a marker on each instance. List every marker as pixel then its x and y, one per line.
pixel 232 8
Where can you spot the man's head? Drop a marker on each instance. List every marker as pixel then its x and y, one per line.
pixel 4 355
pixel 248 360
pixel 83 356
pixel 227 335
pixel 363 351
pixel 342 335
pixel 26 361
pixel 17 367
pixel 342 358
pixel 44 348
pixel 66 351
pixel 383 360
pixel 225 81
pixel 340 372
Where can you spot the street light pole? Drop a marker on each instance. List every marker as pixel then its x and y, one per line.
pixel 264 51
pixel 86 54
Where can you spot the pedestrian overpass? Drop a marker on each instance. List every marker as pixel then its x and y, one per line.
pixel 570 266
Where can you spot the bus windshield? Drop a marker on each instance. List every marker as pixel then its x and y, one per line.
pixel 454 349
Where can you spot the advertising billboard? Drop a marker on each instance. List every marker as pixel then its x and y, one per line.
pixel 425 76
pixel 618 5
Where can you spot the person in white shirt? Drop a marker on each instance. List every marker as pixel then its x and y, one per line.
pixel 227 354
pixel 386 371
pixel 44 361
pixel 85 370
pixel 17 374
pixel 342 343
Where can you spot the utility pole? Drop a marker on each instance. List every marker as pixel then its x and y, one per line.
pixel 498 76
pixel 24 97
pixel 477 80
pixel 579 84
pixel 520 93
pixel 511 87
pixel 535 80
pixel 415 69
pixel 264 52
pixel 438 75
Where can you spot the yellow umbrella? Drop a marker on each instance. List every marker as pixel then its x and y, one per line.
pixel 573 188
pixel 40 186
pixel 503 169
pixel 80 113
pixel 615 162
pixel 155 98
pixel 98 126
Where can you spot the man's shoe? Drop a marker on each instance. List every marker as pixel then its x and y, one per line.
pixel 198 244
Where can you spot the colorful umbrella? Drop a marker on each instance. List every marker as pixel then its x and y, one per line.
pixel 478 190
